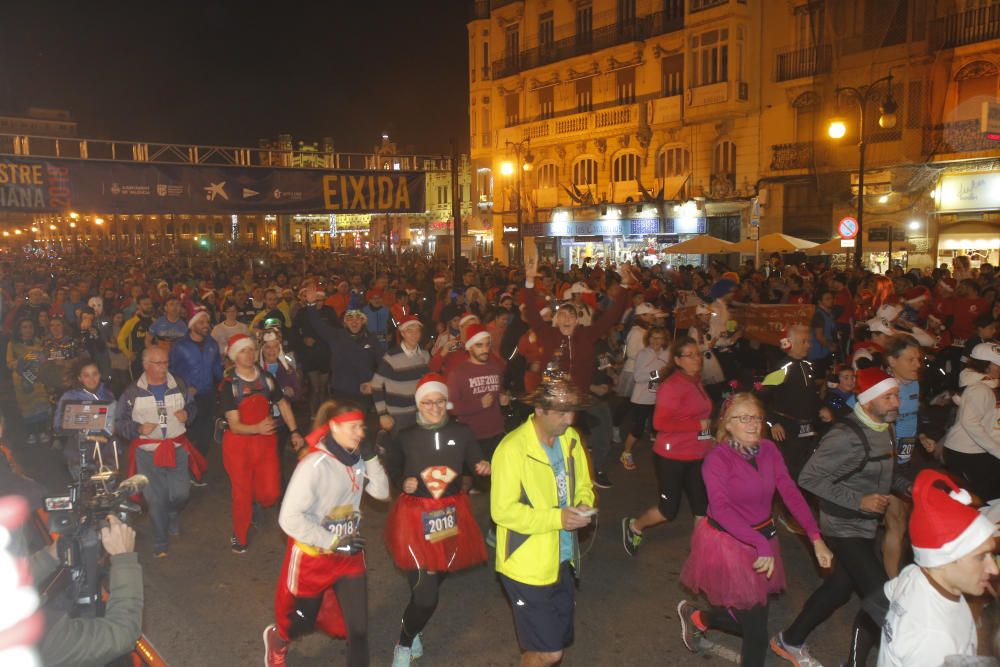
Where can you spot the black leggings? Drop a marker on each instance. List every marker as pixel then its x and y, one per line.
pixel 856 569
pixel 674 476
pixel 750 624
pixel 424 590
pixel 639 414
pixel 981 472
pixel 352 596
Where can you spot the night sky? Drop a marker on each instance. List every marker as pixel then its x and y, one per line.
pixel 232 72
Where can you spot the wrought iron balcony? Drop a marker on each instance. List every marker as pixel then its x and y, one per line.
pixel 798 155
pixel 959 137
pixel 604 37
pixel 981 24
pixel 808 61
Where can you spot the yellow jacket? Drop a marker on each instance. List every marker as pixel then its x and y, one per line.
pixel 525 505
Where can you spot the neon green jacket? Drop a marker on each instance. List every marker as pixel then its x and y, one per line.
pixel 525 505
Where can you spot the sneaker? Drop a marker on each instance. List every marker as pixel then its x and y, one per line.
pixel 628 461
pixel 43 437
pixel 417 648
pixel 474 491
pixel 173 525
pixel 32 439
pixel 797 655
pixel 237 546
pixel 630 538
pixel 402 656
pixel 275 648
pixel 199 483
pixel 159 553
pixel 491 538
pixel 602 481
pixel 691 631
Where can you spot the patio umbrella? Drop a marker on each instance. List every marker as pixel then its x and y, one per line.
pixel 702 244
pixel 776 242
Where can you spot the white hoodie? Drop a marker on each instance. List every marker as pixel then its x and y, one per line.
pixel 976 429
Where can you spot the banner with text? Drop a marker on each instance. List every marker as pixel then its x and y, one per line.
pixel 763 323
pixel 50 185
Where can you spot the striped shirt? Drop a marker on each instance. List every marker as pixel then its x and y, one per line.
pixel 395 383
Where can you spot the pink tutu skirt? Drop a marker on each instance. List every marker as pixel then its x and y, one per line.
pixel 720 567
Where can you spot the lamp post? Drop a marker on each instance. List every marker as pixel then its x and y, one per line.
pixel 507 169
pixel 838 128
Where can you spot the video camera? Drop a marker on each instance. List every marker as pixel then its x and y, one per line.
pixel 77 517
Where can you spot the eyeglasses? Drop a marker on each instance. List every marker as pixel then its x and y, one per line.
pixel 689 356
pixel 440 403
pixel 748 419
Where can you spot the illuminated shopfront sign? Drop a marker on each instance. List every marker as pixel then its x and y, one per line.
pixel 968 192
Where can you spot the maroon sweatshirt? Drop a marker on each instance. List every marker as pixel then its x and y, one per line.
pixel 468 382
pixel 579 357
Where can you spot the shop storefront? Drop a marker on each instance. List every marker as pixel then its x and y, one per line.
pixel 968 217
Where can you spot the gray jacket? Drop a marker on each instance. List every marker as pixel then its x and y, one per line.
pixel 830 475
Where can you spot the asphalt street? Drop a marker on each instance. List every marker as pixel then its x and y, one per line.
pixel 205 605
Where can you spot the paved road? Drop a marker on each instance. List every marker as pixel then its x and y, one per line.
pixel 208 606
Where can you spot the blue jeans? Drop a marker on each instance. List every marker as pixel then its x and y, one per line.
pixel 166 494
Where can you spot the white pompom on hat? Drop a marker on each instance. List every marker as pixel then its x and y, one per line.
pixel 198 312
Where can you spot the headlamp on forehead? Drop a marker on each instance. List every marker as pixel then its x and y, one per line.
pixel 272 323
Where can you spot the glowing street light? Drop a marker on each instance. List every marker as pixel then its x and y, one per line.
pixel 74 215
pixel 914 225
pixel 98 221
pixel 507 168
pixel 837 129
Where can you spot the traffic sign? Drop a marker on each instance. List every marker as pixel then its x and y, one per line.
pixel 846 243
pixel 754 233
pixel 848 227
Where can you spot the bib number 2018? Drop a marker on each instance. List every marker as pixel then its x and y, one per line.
pixel 440 524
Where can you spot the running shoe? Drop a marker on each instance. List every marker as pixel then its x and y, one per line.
pixel 43 437
pixel 198 482
pixel 32 439
pixel 797 655
pixel 159 553
pixel 628 461
pixel 401 656
pixel 417 648
pixel 602 481
pixel 491 538
pixel 237 546
pixel 630 538
pixel 691 631
pixel 275 648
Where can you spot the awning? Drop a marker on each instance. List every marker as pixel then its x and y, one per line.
pixel 702 244
pixel 775 243
pixel 833 247
pixel 672 185
pixel 969 236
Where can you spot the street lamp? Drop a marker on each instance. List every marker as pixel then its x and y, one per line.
pixel 520 165
pixel 838 129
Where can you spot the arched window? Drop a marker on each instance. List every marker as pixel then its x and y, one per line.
pixel 170 228
pixel 673 161
pixel 625 168
pixel 186 228
pixel 977 83
pixel 806 106
pixel 548 175
pixel 585 172
pixel 202 228
pixel 724 164
pixel 217 230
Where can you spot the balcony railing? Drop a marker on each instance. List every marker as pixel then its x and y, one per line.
pixel 600 38
pixel 698 5
pixel 481 9
pixel 610 118
pixel 798 155
pixel 969 27
pixel 797 63
pixel 959 137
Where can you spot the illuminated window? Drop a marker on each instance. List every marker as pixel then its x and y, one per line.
pixel 585 172
pixel 548 175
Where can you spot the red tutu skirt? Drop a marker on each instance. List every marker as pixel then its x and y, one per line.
pixel 436 534
pixel 720 567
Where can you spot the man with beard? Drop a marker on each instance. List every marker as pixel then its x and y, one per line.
pixel 852 474
pixel 196 360
pixel 354 351
pixel 132 338
pixel 474 387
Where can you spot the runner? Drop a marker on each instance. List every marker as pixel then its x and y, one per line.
pixel 323 580
pixel 431 531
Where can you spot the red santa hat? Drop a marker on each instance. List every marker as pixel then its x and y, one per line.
pixel 408 321
pixel 428 384
pixel 467 319
pixel 238 342
pixel 944 526
pixel 872 383
pixel 947 284
pixel 474 333
pixel 198 313
pixel 439 277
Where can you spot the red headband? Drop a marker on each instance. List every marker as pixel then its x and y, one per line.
pixel 353 415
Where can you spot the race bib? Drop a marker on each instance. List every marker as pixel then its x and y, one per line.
pixel 161 415
pixel 806 430
pixel 342 522
pixel 904 450
pixel 439 524
pixel 437 479
pixel 705 435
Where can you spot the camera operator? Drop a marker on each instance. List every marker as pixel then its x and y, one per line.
pixel 85 642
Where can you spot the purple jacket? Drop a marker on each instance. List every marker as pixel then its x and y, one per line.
pixel 740 496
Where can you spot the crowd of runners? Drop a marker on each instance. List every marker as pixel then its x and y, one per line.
pixel 871 431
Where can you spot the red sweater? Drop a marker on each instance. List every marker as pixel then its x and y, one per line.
pixel 681 404
pixel 468 382
pixel 579 359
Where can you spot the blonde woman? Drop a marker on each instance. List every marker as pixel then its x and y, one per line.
pixel 735 561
